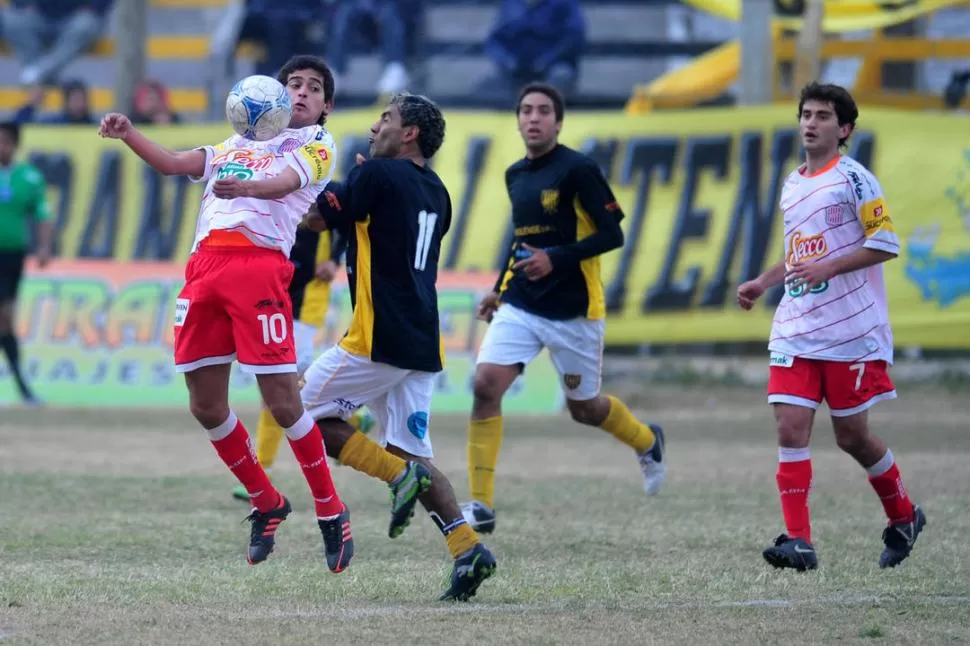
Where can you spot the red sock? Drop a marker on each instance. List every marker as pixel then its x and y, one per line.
pixel 236 450
pixel 312 456
pixel 884 478
pixel 794 480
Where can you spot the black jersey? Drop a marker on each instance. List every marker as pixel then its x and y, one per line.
pixel 395 214
pixel 311 296
pixel 562 204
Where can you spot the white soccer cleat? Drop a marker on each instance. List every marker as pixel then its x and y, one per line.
pixel 652 463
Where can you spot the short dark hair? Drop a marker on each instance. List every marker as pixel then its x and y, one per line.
pixel 315 63
pixel 842 102
pixel 12 128
pixel 544 88
pixel 420 111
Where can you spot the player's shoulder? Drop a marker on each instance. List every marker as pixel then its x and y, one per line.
pixel 30 173
pixel 862 180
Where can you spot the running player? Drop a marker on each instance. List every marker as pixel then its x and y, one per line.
pixel 565 218
pixel 22 198
pixel 235 305
pixel 831 338
pixel 397 211
pixel 315 257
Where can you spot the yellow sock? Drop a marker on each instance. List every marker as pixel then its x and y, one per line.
pixel 484 442
pixel 369 457
pixel 269 436
pixel 621 424
pixel 462 539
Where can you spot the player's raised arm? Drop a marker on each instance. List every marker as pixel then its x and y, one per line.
pixel 597 201
pixel 342 204
pixel 165 161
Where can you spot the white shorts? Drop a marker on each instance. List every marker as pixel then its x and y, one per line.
pixel 338 383
pixel 303 336
pixel 575 347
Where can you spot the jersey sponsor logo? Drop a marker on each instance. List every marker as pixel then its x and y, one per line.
pixel 856 184
pixel 612 207
pixel 418 424
pixel 242 159
pixel 181 311
pixel 319 160
pixel 572 381
pixel 781 360
pixel 875 217
pixel 799 288
pixel 805 247
pixel 533 229
pixel 550 200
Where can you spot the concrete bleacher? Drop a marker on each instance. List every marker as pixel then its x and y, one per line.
pixel 624 37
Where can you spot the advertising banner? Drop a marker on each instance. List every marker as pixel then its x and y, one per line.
pixel 99 334
pixel 699 189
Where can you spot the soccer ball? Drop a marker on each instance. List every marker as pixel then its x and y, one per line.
pixel 258 107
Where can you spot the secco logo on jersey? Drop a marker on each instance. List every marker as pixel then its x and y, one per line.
pixel 805 248
pixel 240 163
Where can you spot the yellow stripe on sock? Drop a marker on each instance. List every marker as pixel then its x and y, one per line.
pixel 484 444
pixel 621 424
pixel 462 539
pixel 368 457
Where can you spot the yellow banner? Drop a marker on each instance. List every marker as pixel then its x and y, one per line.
pixel 840 15
pixel 699 190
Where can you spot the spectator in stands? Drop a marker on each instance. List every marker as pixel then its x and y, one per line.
pixel 152 104
pixel 77 107
pixel 46 35
pixel 349 19
pixel 534 40
pixel 281 25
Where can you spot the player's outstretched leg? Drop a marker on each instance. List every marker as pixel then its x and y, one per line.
pixel 269 436
pixel 647 440
pixel 282 396
pixel 794 548
pixel 209 403
pixel 407 480
pixel 905 520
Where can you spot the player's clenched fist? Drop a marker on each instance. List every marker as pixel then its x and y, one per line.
pixel 748 293
pixel 115 125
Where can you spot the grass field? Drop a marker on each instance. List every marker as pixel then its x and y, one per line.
pixel 118 528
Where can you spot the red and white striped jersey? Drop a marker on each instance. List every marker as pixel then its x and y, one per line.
pixel 828 214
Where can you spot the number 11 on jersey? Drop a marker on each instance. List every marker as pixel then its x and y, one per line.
pixel 426 222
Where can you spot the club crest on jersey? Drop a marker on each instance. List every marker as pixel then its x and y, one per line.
pixel 289 145
pixel 836 214
pixel 550 200
pixel 805 247
pixel 572 381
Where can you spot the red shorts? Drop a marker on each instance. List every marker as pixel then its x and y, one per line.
pixel 848 388
pixel 235 305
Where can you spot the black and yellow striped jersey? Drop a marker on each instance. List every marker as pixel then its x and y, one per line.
pixel 562 204
pixel 395 214
pixel 310 295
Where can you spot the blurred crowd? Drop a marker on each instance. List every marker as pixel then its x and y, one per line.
pixel 529 40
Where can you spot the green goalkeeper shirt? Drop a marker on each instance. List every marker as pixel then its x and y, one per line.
pixel 22 198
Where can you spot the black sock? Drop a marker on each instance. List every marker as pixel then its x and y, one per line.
pixel 8 342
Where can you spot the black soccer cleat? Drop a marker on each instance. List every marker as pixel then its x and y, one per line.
pixel 479 516
pixel 899 539
pixel 405 492
pixel 471 568
pixel 794 553
pixel 262 536
pixel 338 542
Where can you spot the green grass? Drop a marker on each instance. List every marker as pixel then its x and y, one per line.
pixel 118 528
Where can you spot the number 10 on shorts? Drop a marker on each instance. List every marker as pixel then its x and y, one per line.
pixel 274 327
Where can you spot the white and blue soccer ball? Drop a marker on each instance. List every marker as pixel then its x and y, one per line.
pixel 258 107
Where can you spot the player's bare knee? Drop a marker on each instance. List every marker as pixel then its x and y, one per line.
pixel 489 386
pixel 335 433
pixel 591 412
pixel 209 414
pixel 794 425
pixel 282 397
pixel 851 433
